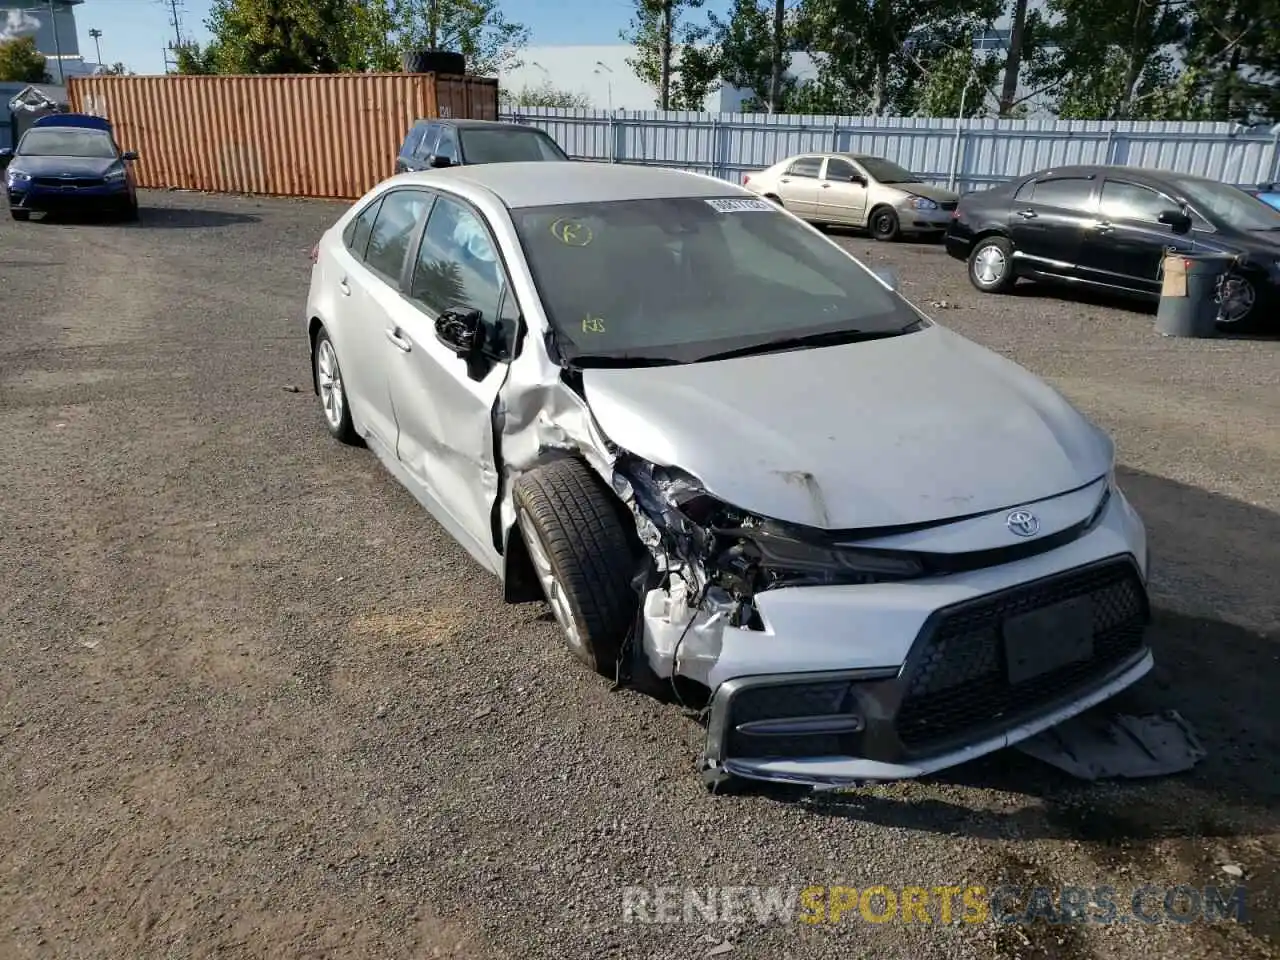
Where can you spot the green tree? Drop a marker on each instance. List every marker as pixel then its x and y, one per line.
pixel 476 28
pixel 875 53
pixel 117 69
pixel 544 95
pixel 671 54
pixel 1232 50
pixel 954 82
pixel 21 62
pixel 753 42
pixel 1109 59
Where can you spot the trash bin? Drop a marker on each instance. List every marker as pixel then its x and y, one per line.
pixel 1189 294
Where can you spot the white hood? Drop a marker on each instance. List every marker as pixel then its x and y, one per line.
pixel 916 428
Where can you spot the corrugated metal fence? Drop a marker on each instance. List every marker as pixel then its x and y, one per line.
pixel 972 154
pixel 334 135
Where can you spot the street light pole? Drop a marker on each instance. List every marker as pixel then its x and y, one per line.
pixel 608 82
pixel 57 44
pixel 97 35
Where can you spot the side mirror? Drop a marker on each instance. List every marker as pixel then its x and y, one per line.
pixel 460 331
pixel 439 161
pixel 858 180
pixel 129 155
pixel 887 276
pixel 1175 219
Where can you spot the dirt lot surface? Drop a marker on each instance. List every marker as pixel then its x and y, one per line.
pixel 254 703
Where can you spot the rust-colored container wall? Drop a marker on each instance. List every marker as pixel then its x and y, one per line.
pixel 327 135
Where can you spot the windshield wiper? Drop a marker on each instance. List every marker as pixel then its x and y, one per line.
pixel 585 360
pixel 829 339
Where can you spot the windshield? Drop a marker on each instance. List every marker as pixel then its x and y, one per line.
pixel 886 171
pixel 683 279
pixel 508 146
pixel 1231 205
pixel 67 142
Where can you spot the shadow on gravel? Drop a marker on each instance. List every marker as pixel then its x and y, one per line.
pixel 159 218
pixel 1089 296
pixel 1223 678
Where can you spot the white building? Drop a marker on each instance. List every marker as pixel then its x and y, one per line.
pixel 53 25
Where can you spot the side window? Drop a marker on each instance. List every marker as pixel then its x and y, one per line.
pixel 429 140
pixel 840 170
pixel 356 235
pixel 1128 201
pixel 1069 193
pixel 805 167
pixel 448 145
pixel 392 230
pixel 458 268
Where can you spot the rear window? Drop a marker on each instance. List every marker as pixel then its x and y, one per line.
pixel 508 146
pixel 681 279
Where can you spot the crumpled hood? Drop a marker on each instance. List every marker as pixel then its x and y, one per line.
pixel 916 428
pixel 58 166
pixel 927 190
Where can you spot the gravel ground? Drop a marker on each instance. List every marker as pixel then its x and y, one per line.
pixel 254 703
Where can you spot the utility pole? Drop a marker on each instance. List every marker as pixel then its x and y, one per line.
pixel 96 35
pixel 57 44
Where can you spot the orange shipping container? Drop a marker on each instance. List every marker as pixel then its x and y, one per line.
pixel 321 135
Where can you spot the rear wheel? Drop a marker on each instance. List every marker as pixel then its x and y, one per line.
pixel 333 393
pixel 583 556
pixel 774 198
pixel 1238 305
pixel 991 265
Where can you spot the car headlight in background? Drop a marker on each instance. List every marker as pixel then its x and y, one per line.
pixel 921 203
pixel 115 176
pixel 17 176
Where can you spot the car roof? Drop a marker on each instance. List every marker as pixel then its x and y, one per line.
pixel 538 183
pixel 465 124
pixel 77 121
pixel 1116 170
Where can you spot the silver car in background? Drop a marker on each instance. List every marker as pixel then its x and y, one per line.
pixel 855 190
pixel 737 465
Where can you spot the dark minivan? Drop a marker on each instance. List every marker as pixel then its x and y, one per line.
pixel 450 143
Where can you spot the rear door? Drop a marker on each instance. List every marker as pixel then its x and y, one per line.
pixel 1049 220
pixel 1126 243
pixel 842 193
pixel 798 186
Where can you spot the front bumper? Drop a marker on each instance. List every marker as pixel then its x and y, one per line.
pixel 924 221
pixel 806 701
pixel 28 195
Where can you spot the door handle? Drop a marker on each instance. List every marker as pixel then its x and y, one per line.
pixel 397 341
pixel 344 287
pixel 826 186
pixel 785 180
pixel 1105 226
pixel 1027 214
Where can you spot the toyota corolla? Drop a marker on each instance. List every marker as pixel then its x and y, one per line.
pixel 735 462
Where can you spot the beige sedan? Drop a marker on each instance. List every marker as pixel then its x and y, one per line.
pixel 854 190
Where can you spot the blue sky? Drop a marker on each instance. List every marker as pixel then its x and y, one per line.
pixel 136 32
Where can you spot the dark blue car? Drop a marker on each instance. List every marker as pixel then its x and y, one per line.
pixel 1268 193
pixel 70 162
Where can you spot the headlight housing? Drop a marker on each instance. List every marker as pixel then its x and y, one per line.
pixel 921 203
pixel 115 176
pixel 17 176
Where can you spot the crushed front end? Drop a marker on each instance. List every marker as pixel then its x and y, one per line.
pixel 837 658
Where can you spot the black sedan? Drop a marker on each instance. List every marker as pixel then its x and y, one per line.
pixel 1111 227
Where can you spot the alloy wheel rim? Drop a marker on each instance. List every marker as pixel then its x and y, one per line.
pixel 556 597
pixel 989 265
pixel 1237 300
pixel 330 379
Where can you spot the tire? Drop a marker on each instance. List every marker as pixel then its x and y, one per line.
pixel 774 198
pixel 435 61
pixel 884 224
pixel 332 391
pixel 21 216
pixel 583 555
pixel 1246 312
pixel 991 265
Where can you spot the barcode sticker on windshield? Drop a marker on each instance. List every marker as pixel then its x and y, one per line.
pixel 725 205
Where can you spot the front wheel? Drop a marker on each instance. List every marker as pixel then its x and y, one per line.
pixel 884 224
pixel 991 265
pixel 583 557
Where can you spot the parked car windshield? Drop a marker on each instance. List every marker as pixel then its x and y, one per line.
pixel 886 171
pixel 67 142
pixel 680 280
pixel 481 145
pixel 1231 205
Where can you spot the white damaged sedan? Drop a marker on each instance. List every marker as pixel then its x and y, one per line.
pixel 733 459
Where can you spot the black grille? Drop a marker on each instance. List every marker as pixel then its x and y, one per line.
pixel 956 683
pixel 77 182
pixel 949 204
pixel 773 701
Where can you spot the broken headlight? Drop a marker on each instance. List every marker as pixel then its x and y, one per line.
pixel 744 553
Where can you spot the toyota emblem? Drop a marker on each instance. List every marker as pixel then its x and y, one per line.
pixel 1022 523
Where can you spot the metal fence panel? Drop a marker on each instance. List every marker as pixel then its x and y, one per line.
pixel 972 154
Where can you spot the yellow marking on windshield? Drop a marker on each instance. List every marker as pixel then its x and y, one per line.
pixel 592 324
pixel 572 233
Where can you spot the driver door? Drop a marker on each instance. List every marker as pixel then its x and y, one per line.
pixel 443 402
